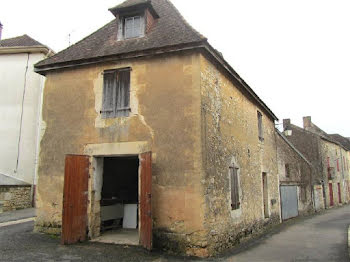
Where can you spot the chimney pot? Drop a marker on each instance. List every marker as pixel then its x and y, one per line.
pixel 307 122
pixel 286 123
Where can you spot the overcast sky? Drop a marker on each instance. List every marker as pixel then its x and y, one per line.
pixel 295 54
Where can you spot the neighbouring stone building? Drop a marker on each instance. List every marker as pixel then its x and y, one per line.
pixel 20 110
pixel 345 142
pixel 148 127
pixel 295 175
pixel 330 179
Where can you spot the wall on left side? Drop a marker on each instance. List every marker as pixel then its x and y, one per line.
pixel 18 80
pixel 14 197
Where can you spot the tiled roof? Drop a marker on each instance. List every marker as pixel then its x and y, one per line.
pixel 345 142
pixel 20 41
pixel 170 30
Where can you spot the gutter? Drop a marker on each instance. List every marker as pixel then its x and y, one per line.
pixel 22 49
pixel 201 45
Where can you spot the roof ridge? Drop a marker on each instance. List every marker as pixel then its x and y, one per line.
pixel 185 21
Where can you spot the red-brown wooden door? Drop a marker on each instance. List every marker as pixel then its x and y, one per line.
pixel 331 202
pixel 75 198
pixel 146 200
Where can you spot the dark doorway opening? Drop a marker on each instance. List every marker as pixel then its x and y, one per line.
pixel 119 200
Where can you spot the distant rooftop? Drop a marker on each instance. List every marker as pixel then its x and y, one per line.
pixel 20 41
pixel 342 140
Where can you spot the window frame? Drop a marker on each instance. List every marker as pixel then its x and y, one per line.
pixel 113 107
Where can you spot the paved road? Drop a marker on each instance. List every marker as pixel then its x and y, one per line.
pixel 17 214
pixel 319 238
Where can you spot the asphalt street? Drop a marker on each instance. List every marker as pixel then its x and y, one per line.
pixel 322 237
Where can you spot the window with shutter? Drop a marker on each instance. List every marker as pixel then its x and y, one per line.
pixel 116 93
pixel 235 202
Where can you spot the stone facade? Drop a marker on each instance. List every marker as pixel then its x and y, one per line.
pixel 295 169
pixel 195 121
pixel 15 197
pixel 325 154
pixel 230 137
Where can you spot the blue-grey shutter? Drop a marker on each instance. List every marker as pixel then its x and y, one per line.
pixel 234 188
pixel 109 89
pixel 123 93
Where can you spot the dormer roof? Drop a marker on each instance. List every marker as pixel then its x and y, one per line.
pixel 132 5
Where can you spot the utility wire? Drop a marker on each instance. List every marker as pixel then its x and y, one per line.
pixel 22 109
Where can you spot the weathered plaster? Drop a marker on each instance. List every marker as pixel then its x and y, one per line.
pixel 165 117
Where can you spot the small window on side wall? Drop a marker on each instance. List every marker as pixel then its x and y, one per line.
pixel 116 93
pixel 235 202
pixel 287 169
pixel 260 127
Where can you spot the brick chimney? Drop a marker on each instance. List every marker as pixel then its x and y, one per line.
pixel 286 123
pixel 0 29
pixel 307 122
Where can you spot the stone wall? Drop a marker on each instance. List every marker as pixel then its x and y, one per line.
pixel 300 173
pixel 15 197
pixel 230 137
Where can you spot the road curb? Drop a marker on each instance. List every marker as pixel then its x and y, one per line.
pixel 15 222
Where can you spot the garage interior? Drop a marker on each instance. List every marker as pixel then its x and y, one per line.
pixel 119 201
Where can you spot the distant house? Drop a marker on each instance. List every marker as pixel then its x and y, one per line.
pixel 20 109
pixel 148 128
pixel 345 142
pixel 329 158
pixel 295 175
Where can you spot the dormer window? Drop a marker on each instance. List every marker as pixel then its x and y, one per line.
pixel 135 18
pixel 132 27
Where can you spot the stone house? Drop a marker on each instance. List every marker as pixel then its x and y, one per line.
pixel 20 105
pixel 148 128
pixel 345 142
pixel 330 179
pixel 295 175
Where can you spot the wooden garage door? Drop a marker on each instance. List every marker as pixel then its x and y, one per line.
pixel 289 202
pixel 75 198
